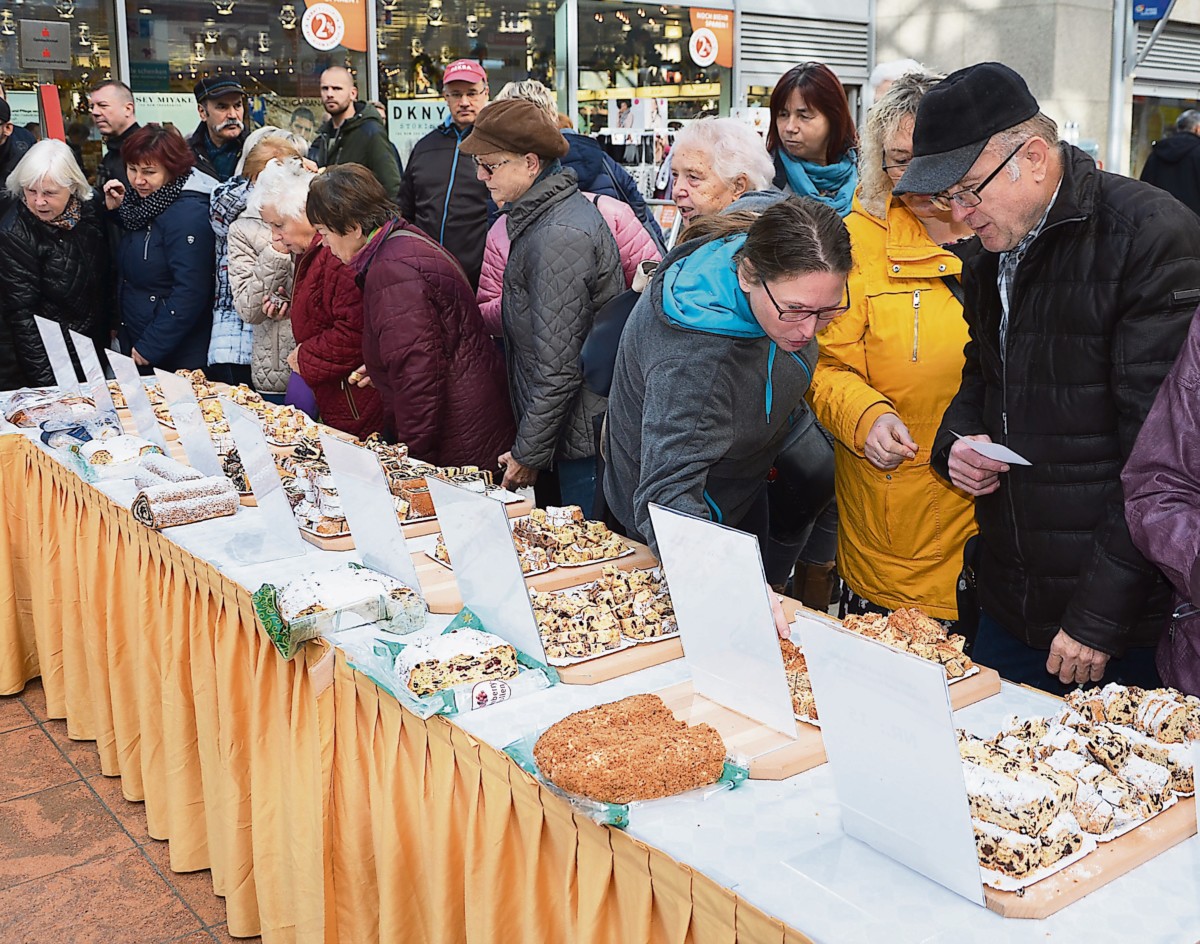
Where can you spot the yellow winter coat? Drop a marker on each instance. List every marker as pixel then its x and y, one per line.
pixel 899 349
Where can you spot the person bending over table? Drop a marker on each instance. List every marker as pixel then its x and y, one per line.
pixel 714 363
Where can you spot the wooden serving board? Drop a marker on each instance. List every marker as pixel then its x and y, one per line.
pixel 419 529
pixel 773 756
pixel 627 661
pixel 1095 870
pixel 441 589
pixel 328 542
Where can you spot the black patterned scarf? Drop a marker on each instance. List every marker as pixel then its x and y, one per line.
pixel 138 212
pixel 70 216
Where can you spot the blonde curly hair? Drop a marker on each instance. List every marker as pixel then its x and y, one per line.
pixel 883 120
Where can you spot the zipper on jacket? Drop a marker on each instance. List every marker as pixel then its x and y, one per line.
pixel 350 399
pixel 916 321
pixel 146 244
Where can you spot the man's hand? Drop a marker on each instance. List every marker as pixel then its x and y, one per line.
pixel 114 194
pixel 782 626
pixel 1072 661
pixel 138 359
pixel 889 443
pixel 360 377
pixel 973 473
pixel 293 359
pixel 516 475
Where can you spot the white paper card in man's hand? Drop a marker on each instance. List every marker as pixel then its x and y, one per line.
pixel 996 451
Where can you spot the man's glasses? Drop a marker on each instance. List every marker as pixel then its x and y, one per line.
pixel 491 168
pixel 457 96
pixel 970 197
pixel 823 315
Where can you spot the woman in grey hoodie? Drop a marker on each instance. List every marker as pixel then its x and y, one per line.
pixel 715 361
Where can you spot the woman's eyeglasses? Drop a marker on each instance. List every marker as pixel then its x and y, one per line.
pixel 823 315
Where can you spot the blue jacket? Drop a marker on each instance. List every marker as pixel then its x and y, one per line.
pixel 598 173
pixel 232 340
pixel 166 282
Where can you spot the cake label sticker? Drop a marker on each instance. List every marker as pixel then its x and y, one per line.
pixel 490 693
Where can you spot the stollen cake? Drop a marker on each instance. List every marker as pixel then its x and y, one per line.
pixel 632 749
pixel 347 587
pixel 465 656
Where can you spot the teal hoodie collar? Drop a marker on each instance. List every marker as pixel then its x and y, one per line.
pixel 701 292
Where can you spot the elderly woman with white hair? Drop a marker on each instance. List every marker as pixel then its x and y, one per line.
pixel 716 161
pixel 887 372
pixel 55 262
pixel 326 308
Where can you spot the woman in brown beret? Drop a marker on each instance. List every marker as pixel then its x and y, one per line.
pixel 562 267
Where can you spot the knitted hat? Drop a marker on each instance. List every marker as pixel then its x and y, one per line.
pixel 518 126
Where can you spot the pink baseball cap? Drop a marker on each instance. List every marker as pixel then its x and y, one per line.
pixel 464 70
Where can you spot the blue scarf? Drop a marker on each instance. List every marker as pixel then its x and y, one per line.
pixel 832 184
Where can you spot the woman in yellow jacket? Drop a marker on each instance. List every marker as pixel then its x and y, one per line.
pixel 888 369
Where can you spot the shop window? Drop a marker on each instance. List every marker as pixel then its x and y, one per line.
pixel 1153 120
pixel 87 25
pixel 173 43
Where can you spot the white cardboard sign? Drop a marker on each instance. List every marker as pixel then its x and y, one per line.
pixel 283 534
pixel 60 357
pixel 726 627
pixel 189 422
pixel 490 582
pixel 888 729
pixel 130 382
pixel 90 362
pixel 370 509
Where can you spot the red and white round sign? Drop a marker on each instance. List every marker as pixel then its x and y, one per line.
pixel 323 26
pixel 703 47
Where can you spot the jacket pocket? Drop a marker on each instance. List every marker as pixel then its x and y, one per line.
pixel 912 516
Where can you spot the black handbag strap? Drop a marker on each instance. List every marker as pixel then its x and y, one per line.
pixel 955 287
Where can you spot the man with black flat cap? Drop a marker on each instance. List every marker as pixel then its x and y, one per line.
pixel 1076 311
pixel 217 142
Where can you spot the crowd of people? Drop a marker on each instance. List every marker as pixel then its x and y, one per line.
pixel 847 321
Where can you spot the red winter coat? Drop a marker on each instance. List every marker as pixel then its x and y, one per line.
pixel 440 375
pixel 327 321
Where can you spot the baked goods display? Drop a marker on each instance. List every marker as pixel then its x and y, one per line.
pixel 201 385
pixel 231 465
pixel 345 588
pixel 466 656
pixel 627 750
pixel 117 450
pixel 534 560
pixel 912 631
pixel 568 538
pixel 1044 789
pixel 156 469
pixel 176 503
pixel 621 607
pixel 804 706
pixel 30 408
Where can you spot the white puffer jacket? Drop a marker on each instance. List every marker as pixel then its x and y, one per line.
pixel 256 270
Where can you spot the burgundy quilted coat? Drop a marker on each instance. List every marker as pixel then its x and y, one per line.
pixel 327 321
pixel 440 375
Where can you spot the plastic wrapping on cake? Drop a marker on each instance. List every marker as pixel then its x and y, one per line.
pixel 93 472
pixel 733 774
pixel 379 664
pixel 376 609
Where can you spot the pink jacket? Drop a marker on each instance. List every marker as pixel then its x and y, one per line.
pixel 633 242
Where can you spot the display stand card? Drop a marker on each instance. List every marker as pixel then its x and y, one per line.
pixel 189 422
pixel 490 581
pixel 60 356
pixel 96 383
pixel 369 509
pixel 130 382
pixel 889 735
pixel 720 595
pixel 282 538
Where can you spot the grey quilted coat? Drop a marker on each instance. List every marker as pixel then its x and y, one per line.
pixel 255 271
pixel 563 266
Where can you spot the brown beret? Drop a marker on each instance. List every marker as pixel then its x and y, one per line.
pixel 518 126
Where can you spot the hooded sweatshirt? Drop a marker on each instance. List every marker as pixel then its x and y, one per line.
pixel 361 139
pixel 701 398
pixel 1174 166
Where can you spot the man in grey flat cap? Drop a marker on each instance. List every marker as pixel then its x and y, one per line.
pixel 1076 310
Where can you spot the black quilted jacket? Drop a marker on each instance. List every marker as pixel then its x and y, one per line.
pixel 1101 305
pixel 562 267
pixel 59 274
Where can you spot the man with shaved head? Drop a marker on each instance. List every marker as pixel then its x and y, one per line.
pixel 115 117
pixel 354 133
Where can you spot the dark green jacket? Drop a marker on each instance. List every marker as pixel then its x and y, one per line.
pixel 362 139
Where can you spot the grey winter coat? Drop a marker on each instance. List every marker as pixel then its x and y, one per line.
pixel 256 271
pixel 697 414
pixel 562 267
